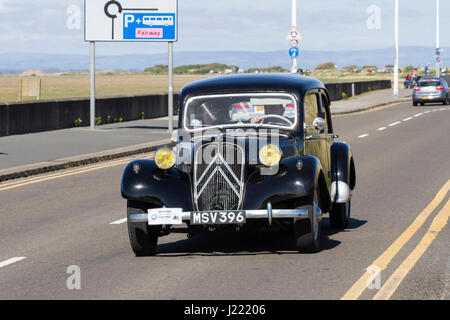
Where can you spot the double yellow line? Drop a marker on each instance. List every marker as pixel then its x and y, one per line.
pixel 391 285
pixel 65 173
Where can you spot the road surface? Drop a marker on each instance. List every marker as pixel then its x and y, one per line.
pixel 76 218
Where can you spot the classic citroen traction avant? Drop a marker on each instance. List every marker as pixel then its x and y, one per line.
pixel 252 152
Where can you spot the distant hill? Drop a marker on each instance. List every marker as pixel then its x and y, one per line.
pixel 19 62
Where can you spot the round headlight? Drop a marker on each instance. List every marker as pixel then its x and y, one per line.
pixel 270 155
pixel 165 158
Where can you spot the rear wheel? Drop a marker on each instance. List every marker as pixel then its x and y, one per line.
pixel 340 215
pixel 445 102
pixel 307 231
pixel 143 238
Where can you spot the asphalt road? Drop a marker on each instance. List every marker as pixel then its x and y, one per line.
pixel 64 219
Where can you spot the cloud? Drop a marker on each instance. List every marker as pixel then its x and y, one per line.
pixel 245 25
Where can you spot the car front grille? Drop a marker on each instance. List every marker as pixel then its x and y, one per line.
pixel 218 176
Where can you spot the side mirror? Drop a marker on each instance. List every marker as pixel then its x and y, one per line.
pixel 318 124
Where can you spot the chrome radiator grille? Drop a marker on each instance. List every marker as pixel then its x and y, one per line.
pixel 218 181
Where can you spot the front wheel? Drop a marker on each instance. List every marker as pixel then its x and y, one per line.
pixel 143 238
pixel 340 215
pixel 307 231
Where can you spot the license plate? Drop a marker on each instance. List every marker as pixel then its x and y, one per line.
pixel 259 108
pixel 426 97
pixel 165 216
pixel 218 217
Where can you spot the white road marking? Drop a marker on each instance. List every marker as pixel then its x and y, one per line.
pixel 407 119
pixel 418 115
pixel 363 135
pixel 394 124
pixel 427 111
pixel 10 261
pixel 382 128
pixel 119 221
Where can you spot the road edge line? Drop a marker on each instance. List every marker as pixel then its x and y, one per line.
pixel 386 257
pixel 391 285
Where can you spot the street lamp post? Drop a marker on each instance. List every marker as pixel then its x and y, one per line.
pixel 396 52
pixel 438 71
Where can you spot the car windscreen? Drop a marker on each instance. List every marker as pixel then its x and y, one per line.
pixel 429 83
pixel 246 110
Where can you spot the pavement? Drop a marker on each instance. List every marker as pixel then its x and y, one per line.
pixel 74 219
pixel 35 153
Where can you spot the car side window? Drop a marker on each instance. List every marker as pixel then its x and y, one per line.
pixel 324 108
pixel 311 110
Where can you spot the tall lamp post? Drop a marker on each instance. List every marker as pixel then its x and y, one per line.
pixel 396 52
pixel 438 50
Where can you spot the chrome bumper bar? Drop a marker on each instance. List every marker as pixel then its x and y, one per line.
pixel 268 213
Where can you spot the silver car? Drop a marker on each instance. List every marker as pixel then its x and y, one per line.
pixel 431 90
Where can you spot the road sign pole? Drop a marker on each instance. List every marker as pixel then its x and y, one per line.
pixel 92 115
pixel 396 52
pixel 294 23
pixel 170 87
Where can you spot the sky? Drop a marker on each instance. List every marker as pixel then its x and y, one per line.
pixel 57 26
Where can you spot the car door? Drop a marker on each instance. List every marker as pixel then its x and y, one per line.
pixel 328 133
pixel 317 142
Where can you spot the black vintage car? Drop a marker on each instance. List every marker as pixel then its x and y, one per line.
pixel 252 151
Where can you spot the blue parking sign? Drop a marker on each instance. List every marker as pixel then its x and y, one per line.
pixel 149 26
pixel 293 52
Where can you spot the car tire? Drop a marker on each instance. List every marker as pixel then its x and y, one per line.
pixel 422 103
pixel 415 104
pixel 445 102
pixel 307 231
pixel 340 215
pixel 143 238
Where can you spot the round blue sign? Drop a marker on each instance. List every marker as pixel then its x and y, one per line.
pixel 293 52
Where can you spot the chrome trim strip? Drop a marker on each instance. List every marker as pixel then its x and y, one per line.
pixel 229 182
pixel 205 185
pixel 139 217
pixel 206 170
pixel 229 169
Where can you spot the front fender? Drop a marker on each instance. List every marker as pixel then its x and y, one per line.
pixel 343 175
pixel 289 183
pixel 170 188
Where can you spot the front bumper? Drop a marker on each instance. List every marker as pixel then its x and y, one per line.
pixel 268 214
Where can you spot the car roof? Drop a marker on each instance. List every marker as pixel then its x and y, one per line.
pixel 286 82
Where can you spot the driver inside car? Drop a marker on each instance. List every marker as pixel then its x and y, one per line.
pixel 271 110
